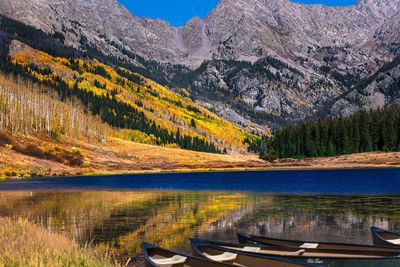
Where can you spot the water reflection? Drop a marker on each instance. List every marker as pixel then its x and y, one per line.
pixel 123 219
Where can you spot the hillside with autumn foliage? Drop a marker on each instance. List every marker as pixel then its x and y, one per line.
pixel 67 116
pixel 67 111
pixel 43 134
pixel 127 100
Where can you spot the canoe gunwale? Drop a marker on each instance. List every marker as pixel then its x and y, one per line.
pixel 380 240
pixel 253 240
pixel 147 246
pixel 195 243
pixel 292 258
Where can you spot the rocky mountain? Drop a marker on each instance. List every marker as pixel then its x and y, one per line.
pixel 251 61
pixel 375 91
pixel 244 29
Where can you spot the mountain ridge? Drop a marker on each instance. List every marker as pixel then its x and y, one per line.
pixel 111 19
pixel 333 49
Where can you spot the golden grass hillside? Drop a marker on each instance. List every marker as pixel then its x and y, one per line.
pixel 25 244
pixel 114 156
pixel 168 110
pixel 40 135
pixel 119 156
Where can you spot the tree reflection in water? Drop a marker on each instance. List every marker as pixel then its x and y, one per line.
pixel 122 220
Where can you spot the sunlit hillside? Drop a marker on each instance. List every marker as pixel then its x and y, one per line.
pixel 42 135
pixel 127 100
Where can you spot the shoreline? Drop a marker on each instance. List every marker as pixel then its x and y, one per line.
pixel 231 170
pixel 119 157
pixel 212 170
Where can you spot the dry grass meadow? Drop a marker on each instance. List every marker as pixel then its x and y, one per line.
pixel 119 156
pixel 25 244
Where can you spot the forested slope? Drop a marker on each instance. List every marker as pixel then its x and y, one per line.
pixel 126 100
pixel 42 135
pixel 377 130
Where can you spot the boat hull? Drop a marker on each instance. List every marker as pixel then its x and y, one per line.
pixel 150 251
pixel 326 261
pixel 380 237
pixel 329 262
pixel 202 248
pixel 252 239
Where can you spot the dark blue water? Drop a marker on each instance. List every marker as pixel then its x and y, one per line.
pixel 371 181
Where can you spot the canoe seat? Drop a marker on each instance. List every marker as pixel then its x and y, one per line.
pixel 177 259
pixel 394 241
pixel 226 256
pixel 251 249
pixel 309 245
pixel 296 253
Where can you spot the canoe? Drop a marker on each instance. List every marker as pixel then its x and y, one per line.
pixel 159 257
pixel 329 258
pixel 240 255
pixel 382 237
pixel 356 248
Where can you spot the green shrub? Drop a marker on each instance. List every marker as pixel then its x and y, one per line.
pixel 269 156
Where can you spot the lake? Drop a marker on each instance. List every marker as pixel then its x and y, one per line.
pixel 122 211
pixel 372 181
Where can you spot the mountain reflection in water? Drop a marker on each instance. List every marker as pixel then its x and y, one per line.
pixel 122 220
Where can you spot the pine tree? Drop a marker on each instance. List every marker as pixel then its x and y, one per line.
pixel 193 123
pixel 377 130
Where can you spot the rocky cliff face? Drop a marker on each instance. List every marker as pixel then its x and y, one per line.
pixel 235 29
pixel 256 27
pixel 262 61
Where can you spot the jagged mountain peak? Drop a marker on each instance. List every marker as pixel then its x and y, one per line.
pixel 194 20
pixel 276 56
pixel 235 29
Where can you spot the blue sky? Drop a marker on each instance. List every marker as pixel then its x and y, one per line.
pixel 177 12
